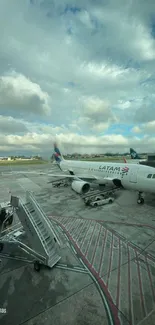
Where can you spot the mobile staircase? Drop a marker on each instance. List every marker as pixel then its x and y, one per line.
pixel 43 244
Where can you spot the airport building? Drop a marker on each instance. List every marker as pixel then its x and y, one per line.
pixel 150 160
pixel 151 157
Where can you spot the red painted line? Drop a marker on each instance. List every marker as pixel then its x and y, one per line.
pixel 80 226
pixel 150 257
pixel 70 225
pixel 85 235
pixel 127 224
pixel 74 226
pixel 118 276
pixel 68 221
pixel 110 261
pixel 116 222
pixel 90 240
pixel 103 247
pixel 129 288
pixel 93 256
pixel 150 278
pixel 117 234
pixel 140 285
pixel 55 218
pixel 100 281
pixel 65 220
pixel 77 228
pixel 78 235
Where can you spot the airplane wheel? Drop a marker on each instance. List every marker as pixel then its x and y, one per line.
pixel 1 247
pixel 101 187
pixel 37 266
pixel 110 201
pixel 140 201
pixel 10 219
pixel 95 205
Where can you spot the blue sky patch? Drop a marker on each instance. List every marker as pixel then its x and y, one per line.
pixel 73 10
pixel 152 25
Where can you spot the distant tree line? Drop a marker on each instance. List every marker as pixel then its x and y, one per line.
pixel 25 157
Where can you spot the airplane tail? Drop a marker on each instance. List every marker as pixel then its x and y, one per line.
pixel 57 154
pixel 134 154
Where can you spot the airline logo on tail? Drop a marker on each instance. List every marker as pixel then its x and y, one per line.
pixel 57 154
pixel 134 154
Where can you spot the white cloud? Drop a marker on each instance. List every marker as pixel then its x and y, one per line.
pixel 10 125
pixel 95 108
pixel 149 127
pixel 72 142
pixel 123 105
pixel 130 26
pixel 75 70
pixel 146 129
pixel 136 129
pixel 100 127
pixel 39 138
pixel 85 18
pixel 20 94
pixel 104 71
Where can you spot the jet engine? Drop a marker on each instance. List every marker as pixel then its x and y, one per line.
pixel 117 182
pixel 80 187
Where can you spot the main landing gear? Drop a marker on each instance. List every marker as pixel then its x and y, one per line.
pixel 140 199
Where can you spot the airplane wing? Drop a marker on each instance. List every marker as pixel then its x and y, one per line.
pixel 109 178
pixel 73 176
pixel 80 177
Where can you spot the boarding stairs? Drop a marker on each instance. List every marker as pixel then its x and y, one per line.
pixel 44 243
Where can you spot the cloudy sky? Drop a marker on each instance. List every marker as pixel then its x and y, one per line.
pixel 83 71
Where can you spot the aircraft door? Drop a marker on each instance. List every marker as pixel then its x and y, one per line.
pixel 133 175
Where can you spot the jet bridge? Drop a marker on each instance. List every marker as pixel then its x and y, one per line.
pixel 43 244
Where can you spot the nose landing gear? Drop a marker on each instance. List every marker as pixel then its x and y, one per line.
pixel 140 199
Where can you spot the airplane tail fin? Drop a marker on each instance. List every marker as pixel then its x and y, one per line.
pixel 57 154
pixel 134 154
pixel 125 161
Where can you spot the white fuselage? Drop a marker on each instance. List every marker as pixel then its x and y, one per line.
pixel 135 178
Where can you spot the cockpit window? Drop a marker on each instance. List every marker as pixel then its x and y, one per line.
pixel 149 175
pixel 153 175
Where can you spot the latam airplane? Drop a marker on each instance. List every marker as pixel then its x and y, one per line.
pixel 132 177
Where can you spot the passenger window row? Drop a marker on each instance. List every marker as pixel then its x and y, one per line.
pixel 151 176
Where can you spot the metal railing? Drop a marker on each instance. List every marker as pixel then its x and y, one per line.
pixel 39 234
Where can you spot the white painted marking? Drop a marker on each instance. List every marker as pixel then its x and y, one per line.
pixel 66 236
pixel 78 268
pixel 27 184
pixel 83 264
pixel 74 250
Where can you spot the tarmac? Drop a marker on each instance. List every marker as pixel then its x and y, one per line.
pixel 106 274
